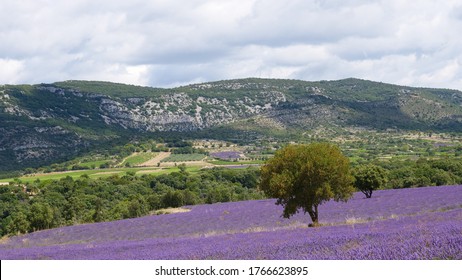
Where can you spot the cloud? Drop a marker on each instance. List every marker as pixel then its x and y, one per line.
pixel 315 22
pixel 167 43
pixel 10 71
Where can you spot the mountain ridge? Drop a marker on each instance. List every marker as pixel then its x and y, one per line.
pixel 51 122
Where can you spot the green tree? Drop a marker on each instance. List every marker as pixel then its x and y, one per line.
pixel 305 176
pixel 137 206
pixel 182 168
pixel 98 214
pixel 173 199
pixel 18 223
pixel 41 216
pixel 369 178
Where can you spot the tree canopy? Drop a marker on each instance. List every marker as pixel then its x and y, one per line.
pixel 305 176
pixel 369 178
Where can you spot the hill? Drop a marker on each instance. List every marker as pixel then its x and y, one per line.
pixel 420 223
pixel 46 123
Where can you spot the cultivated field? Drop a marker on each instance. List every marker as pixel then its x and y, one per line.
pixel 419 223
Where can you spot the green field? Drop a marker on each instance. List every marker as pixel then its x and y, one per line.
pixel 184 157
pixel 138 158
pixel 132 160
pixel 96 163
pixel 99 173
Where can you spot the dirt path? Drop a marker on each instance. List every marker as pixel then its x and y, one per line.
pixel 155 160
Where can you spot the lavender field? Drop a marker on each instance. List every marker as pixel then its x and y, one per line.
pixel 421 223
pixel 229 155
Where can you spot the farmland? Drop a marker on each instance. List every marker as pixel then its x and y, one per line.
pixel 94 173
pixel 415 223
pixel 386 149
pixel 184 157
pixel 138 158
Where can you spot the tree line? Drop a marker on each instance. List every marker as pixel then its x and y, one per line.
pixel 28 207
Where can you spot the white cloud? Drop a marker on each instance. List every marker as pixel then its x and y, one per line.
pixel 165 43
pixel 10 71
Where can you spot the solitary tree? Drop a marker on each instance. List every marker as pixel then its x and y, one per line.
pixel 305 176
pixel 369 178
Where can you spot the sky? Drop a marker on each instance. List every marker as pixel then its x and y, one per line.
pixel 168 43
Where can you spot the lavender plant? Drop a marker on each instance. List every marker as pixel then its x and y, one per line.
pixel 423 223
pixel 228 155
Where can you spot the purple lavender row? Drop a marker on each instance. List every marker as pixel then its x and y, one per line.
pixel 226 155
pixel 426 236
pixel 246 215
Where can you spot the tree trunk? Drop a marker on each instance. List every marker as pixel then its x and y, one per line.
pixel 314 216
pixel 367 193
